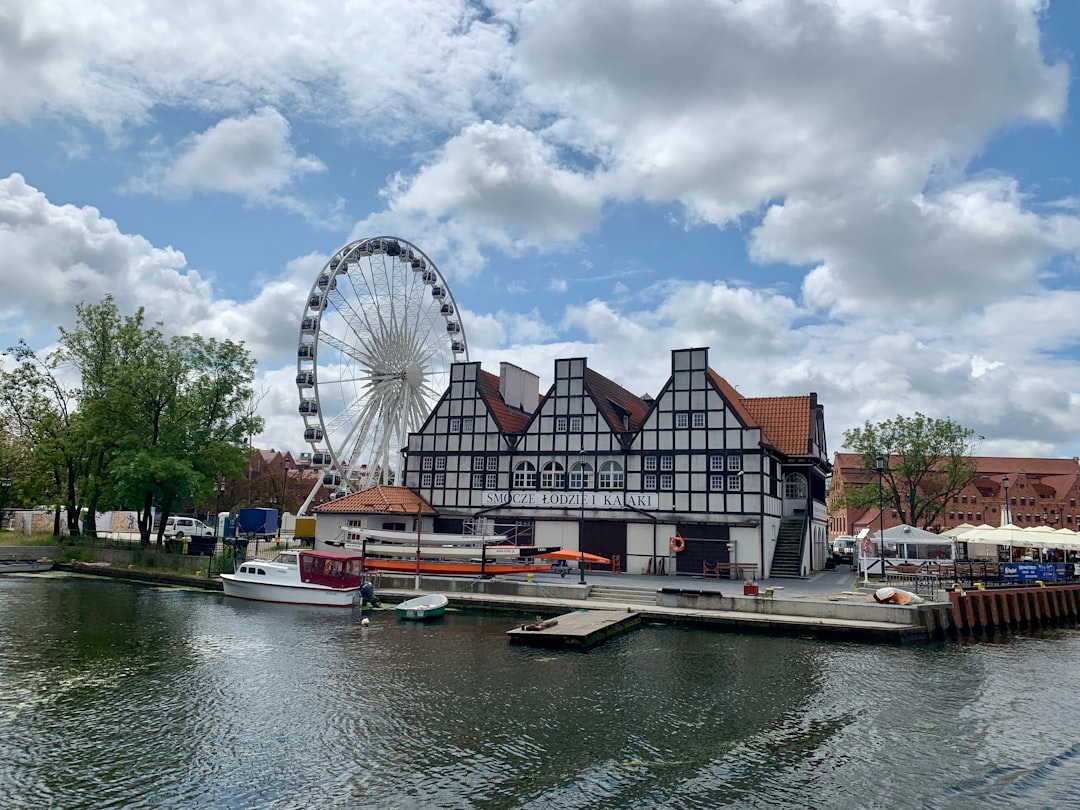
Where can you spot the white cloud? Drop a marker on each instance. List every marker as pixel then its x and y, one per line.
pixel 250 157
pixel 55 256
pixel 937 253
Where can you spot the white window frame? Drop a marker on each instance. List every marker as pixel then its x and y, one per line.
pixel 794 487
pixel 440 479
pixel 575 424
pixel 649 481
pixel 611 475
pixel 553 476
pixel 427 463
pixel 716 481
pixel 650 462
pixel 425 480
pixel 492 463
pixel 455 424
pixel 491 480
pixel 734 483
pixel 698 420
pixel 667 463
pixel 682 420
pixel 440 463
pixel 478 480
pixel 667 481
pixel 581 475
pixel 525 475
pixel 716 463
pixel 467 424
pixel 560 424
pixel 734 463
pixel 478 463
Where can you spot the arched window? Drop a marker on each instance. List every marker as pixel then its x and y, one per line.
pixel 794 487
pixel 552 476
pixel 525 476
pixel 581 476
pixel 611 475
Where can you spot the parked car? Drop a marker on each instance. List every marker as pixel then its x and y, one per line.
pixel 186 527
pixel 843 550
pixel 192 532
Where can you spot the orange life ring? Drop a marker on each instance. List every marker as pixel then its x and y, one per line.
pixel 677 544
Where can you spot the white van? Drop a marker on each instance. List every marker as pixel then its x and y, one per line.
pixel 186 527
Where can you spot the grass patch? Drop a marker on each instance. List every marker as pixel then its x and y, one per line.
pixel 12 539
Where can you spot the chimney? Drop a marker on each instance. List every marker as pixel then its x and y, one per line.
pixel 519 388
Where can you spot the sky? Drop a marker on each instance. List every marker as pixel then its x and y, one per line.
pixel 872 200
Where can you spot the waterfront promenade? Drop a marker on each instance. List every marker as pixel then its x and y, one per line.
pixel 828 604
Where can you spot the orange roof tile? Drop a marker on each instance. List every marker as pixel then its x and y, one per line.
pixel 379 500
pixel 785 422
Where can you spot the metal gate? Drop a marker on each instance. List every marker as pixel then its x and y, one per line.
pixel 606 538
pixel 705 545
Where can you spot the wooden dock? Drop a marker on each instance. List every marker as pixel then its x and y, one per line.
pixel 578 630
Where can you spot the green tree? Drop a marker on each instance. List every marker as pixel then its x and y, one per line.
pixel 185 420
pixel 927 462
pixel 43 413
pixel 151 422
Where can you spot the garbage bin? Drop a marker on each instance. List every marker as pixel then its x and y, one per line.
pixel 750 589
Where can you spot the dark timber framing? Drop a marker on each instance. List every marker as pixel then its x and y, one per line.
pixel 590 465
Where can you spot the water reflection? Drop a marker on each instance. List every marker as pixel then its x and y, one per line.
pixel 128 696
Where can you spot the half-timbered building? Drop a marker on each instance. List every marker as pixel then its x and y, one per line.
pixel 699 479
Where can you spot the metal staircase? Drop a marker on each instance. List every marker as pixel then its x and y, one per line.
pixel 787 559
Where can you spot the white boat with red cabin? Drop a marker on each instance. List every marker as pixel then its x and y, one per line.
pixel 299 577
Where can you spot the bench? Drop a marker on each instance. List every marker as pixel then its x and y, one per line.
pixel 747 570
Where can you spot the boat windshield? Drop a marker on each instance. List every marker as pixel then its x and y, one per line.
pixel 331 571
pixel 285 559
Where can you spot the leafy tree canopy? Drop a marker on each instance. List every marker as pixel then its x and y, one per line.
pixel 151 420
pixel 926 462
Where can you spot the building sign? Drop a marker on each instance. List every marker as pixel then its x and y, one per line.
pixel 542 499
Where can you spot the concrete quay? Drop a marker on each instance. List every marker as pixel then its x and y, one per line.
pixel 826 605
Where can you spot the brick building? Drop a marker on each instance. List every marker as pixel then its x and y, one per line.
pixel 1040 491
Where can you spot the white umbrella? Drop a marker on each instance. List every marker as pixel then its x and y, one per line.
pixel 956 531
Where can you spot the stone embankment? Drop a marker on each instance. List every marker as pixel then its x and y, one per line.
pixel 848 615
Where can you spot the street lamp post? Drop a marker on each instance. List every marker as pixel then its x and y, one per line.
pixel 879 465
pixel 284 485
pixel 581 524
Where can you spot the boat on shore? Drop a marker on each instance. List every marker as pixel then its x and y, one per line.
pixel 299 577
pixel 420 608
pixel 447 554
pixel 25 566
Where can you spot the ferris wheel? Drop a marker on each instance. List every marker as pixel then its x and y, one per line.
pixel 378 334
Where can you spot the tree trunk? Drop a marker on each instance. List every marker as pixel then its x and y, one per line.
pixel 146 520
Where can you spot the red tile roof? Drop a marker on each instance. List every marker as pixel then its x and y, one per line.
pixel 784 421
pixel 380 500
pixel 613 401
pixel 509 420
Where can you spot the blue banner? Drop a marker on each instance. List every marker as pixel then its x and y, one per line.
pixel 1032 572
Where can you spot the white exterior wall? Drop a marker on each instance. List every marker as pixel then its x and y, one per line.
pixel 556 533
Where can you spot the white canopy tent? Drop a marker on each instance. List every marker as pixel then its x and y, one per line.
pixel 904 544
pixel 1040 537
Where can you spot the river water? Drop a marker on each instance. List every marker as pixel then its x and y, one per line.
pixel 121 695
